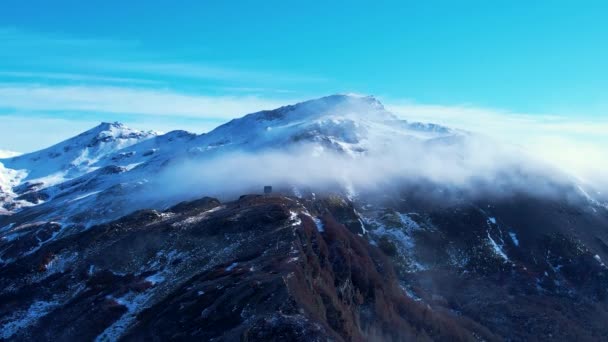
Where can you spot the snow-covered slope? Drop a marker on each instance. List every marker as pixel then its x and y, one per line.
pixel 345 123
pixel 64 161
pixel 103 173
pixel 79 154
pixel 108 166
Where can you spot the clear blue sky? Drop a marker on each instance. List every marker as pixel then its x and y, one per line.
pixel 193 57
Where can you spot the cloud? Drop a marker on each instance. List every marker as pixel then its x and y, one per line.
pixel 80 55
pixel 75 77
pixel 573 143
pixel 111 99
pixel 14 38
pixel 25 134
pixel 8 154
pixel 201 71
pixel 474 167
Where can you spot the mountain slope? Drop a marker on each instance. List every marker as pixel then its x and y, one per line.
pixel 350 124
pixel 346 124
pixel 404 231
pixel 266 268
pixel 256 269
pixel 64 161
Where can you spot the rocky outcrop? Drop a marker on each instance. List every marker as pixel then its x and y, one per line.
pixel 277 268
pixel 262 268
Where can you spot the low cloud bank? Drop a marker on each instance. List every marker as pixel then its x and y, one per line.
pixel 471 167
pixel 575 144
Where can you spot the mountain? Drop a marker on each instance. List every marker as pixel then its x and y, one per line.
pixel 112 163
pixel 378 229
pixel 25 174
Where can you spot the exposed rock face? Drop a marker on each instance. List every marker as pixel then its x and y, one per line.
pixel 274 268
pixel 262 268
pixel 524 267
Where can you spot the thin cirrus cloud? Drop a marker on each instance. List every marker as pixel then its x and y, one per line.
pixel 42 76
pixel 200 71
pixel 81 57
pixel 113 99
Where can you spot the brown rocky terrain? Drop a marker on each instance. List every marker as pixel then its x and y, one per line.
pixel 275 268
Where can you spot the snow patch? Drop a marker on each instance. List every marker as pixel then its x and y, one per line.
pixel 134 304
pixel 497 248
pixel 514 238
pixel 319 224
pixel 84 196
pixel 198 218
pixel 599 259
pixel 155 279
pixel 294 219
pixel 21 320
pixel 404 241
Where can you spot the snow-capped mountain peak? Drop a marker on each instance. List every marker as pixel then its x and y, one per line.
pixel 339 105
pixel 112 157
pixel 66 160
pixel 80 152
pixel 344 123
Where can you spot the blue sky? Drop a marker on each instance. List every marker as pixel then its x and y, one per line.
pixel 66 65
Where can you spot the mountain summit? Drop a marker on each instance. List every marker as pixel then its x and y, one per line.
pixel 345 123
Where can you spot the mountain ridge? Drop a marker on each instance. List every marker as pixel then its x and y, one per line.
pixel 376 229
pixel 326 121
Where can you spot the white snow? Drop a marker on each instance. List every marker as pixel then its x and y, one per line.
pixel 590 199
pixel 198 218
pixel 407 222
pixel 402 236
pixel 492 219
pixel 232 266
pixel 22 320
pixel 599 259
pixel 408 292
pixel 67 160
pixel 319 224
pixel 351 125
pixel 10 178
pixel 497 248
pixel 155 279
pixel 134 304
pixel 514 238
pixel 84 196
pixel 8 154
pixel 294 219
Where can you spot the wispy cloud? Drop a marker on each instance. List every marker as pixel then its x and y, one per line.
pixel 81 56
pixel 574 143
pixel 111 99
pixel 15 40
pixel 8 154
pixel 200 71
pixel 25 133
pixel 42 76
